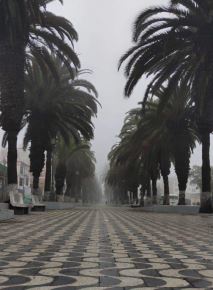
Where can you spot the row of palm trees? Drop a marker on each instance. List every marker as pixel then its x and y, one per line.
pixel 41 86
pixel 173 49
pixel 150 140
pixel 75 167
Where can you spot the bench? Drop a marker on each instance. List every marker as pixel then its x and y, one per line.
pixel 17 203
pixel 37 205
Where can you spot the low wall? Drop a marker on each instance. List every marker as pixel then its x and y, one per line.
pixel 50 205
pixel 6 214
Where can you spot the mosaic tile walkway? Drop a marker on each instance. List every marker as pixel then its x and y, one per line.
pixel 106 249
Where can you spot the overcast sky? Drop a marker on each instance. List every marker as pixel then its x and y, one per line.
pixel 105 30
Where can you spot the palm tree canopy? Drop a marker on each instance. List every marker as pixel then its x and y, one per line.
pixel 29 22
pixel 61 107
pixel 173 44
pixel 150 137
pixel 81 162
pixel 75 162
pixel 28 30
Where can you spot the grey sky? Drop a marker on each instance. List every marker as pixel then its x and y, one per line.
pixel 104 28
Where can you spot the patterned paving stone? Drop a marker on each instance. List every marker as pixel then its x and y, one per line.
pixel 106 248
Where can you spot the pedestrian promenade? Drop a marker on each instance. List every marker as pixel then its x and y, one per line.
pixel 106 248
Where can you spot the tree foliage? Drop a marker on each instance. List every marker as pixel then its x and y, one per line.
pixel 56 109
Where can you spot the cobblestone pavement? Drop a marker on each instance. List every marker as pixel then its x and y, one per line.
pixel 109 248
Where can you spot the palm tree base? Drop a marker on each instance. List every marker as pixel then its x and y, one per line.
pixel 206 205
pixel 36 191
pixel 154 200
pixel 180 202
pixel 148 201
pixel 47 196
pixel 166 200
pixel 60 198
pixel 142 202
pixel 206 209
pixel 182 199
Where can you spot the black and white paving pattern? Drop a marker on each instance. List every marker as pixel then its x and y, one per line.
pixel 106 248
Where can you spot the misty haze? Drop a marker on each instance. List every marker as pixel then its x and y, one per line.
pixel 106 177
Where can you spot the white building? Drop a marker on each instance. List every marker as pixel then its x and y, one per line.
pixel 24 177
pixel 23 169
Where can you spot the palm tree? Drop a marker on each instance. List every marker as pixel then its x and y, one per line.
pixel 174 44
pixel 152 138
pixel 122 174
pixel 63 152
pixel 91 190
pixel 65 162
pixel 130 163
pixel 178 116
pixel 48 167
pixel 80 166
pixel 54 109
pixel 27 28
pixel 174 131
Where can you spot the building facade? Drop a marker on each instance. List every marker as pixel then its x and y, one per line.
pixel 24 177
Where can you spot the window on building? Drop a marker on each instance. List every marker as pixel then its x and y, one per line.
pixel 27 181
pixel 21 181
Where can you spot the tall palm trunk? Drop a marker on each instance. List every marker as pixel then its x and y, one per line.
pixel 165 171
pixel 182 167
pixel 166 200
pixel 60 176
pixel 78 190
pixel 206 195
pixel 71 187
pixel 124 196
pixel 12 58
pixel 37 159
pixel 12 158
pixel 48 173
pixel 35 183
pixel 154 191
pixel 148 192
pixel 135 194
pixel 154 173
pixel 143 192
